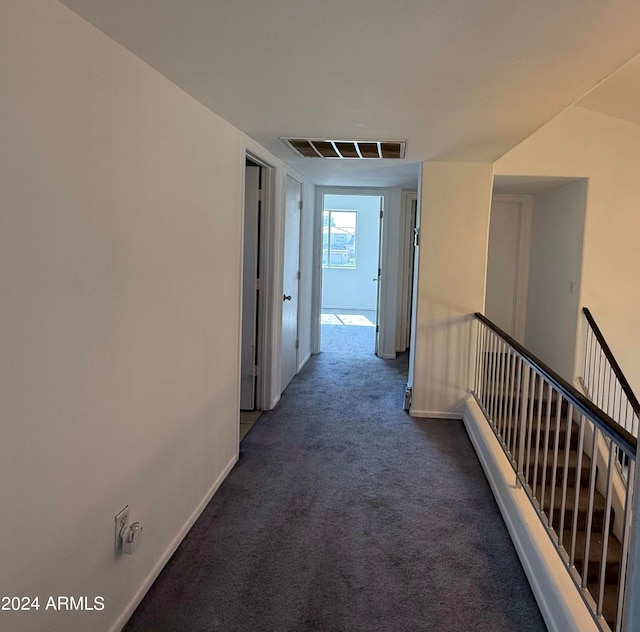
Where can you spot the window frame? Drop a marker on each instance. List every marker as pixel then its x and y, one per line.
pixel 334 266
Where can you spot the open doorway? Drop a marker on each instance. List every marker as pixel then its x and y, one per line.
pixel 534 265
pixel 351 269
pixel 259 288
pixel 251 330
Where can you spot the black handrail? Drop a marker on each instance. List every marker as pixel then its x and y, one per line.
pixel 628 391
pixel 605 423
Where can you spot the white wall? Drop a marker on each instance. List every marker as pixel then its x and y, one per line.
pixel 120 247
pixel 354 288
pixel 582 143
pixel 454 228
pixel 554 275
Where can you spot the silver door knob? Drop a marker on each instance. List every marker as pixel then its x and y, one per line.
pixel 286 298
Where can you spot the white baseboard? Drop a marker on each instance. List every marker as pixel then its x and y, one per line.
pixel 563 609
pixel 170 550
pixel 304 361
pixel 433 414
pixel 273 403
pixel 351 309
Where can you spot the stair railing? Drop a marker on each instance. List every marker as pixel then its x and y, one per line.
pixel 549 431
pixel 603 380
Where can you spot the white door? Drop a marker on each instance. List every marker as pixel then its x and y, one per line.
pixel 507 265
pixel 291 281
pixel 249 288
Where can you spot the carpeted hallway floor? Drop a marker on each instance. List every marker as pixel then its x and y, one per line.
pixel 344 514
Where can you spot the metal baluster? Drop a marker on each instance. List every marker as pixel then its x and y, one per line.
pixel 517 411
pixel 532 401
pixel 626 528
pixel 507 396
pixel 492 405
pixel 511 433
pixel 546 445
pixel 565 474
pixel 595 395
pixel 535 464
pixel 496 383
pixel 608 408
pixel 574 528
pixel 523 425
pixel 554 468
pixel 484 368
pixel 605 530
pixel 476 378
pixel 592 487
pixel 512 396
pixel 589 368
pixel 585 364
pixel 592 366
pixel 499 402
pixel 600 379
pixel 483 362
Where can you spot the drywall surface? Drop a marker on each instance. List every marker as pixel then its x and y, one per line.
pixel 120 257
pixel 582 143
pixel 454 228
pixel 554 275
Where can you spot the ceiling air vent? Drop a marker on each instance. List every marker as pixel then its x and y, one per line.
pixel 338 149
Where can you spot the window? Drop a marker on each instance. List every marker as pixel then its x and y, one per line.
pixel 339 239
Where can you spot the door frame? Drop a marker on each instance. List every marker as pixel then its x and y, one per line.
pixel 523 253
pixel 387 282
pixel 408 222
pixel 251 289
pixel 269 313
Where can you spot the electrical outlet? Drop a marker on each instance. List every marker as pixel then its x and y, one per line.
pixel 122 520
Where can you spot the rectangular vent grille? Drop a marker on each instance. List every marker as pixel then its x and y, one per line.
pixel 338 149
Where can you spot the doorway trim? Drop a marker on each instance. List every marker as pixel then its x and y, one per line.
pixel 388 280
pixel 270 262
pixel 408 222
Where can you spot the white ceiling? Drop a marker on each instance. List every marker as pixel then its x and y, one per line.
pixel 458 79
pixel 619 95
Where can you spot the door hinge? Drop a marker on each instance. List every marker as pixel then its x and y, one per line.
pixel 379 272
pixel 255 371
pixel 259 195
pixel 381 214
pixel 257 284
pixel 300 205
pixel 297 344
pixel 298 275
pixel 377 328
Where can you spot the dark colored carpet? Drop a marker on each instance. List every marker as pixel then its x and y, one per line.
pixel 344 514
